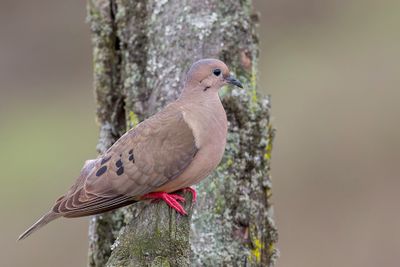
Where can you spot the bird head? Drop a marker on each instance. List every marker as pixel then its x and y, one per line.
pixel 208 75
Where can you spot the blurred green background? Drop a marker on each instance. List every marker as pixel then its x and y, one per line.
pixel 332 68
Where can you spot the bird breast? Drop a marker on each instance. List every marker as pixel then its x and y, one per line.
pixel 209 126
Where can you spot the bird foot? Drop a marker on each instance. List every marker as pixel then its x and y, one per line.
pixel 172 200
pixel 194 193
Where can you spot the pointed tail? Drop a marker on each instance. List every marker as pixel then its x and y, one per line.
pixel 48 217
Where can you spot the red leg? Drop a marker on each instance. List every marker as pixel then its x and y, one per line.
pixel 194 193
pixel 170 199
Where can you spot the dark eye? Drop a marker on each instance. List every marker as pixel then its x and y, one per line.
pixel 217 72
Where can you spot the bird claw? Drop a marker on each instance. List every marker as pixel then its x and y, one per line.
pixel 178 197
pixel 170 199
pixel 173 200
pixel 194 193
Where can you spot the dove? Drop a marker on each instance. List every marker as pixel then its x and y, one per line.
pixel 170 151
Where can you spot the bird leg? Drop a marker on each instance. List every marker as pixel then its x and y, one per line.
pixel 170 199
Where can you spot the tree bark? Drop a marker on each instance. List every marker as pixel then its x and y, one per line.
pixel 142 50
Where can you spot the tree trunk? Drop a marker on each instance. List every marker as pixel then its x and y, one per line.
pixel 142 50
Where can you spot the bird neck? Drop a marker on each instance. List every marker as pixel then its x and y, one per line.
pixel 196 93
pixel 198 99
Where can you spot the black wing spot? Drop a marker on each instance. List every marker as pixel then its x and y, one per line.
pixel 120 171
pixel 118 163
pixel 132 158
pixel 131 151
pixel 101 171
pixel 105 160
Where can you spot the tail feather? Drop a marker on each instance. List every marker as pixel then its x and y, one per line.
pixel 48 217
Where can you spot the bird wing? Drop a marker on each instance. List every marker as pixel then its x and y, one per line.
pixel 143 159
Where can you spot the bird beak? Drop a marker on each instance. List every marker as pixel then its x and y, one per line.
pixel 232 80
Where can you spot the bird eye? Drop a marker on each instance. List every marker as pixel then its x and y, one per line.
pixel 217 72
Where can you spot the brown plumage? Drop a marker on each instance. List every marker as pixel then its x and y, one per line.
pixel 173 149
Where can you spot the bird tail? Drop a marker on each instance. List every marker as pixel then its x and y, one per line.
pixel 48 217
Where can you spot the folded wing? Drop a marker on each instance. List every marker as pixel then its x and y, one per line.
pixel 143 159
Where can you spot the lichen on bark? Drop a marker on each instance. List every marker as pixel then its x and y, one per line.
pixel 142 50
pixel 156 236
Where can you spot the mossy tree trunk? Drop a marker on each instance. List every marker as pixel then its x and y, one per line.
pixel 142 50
